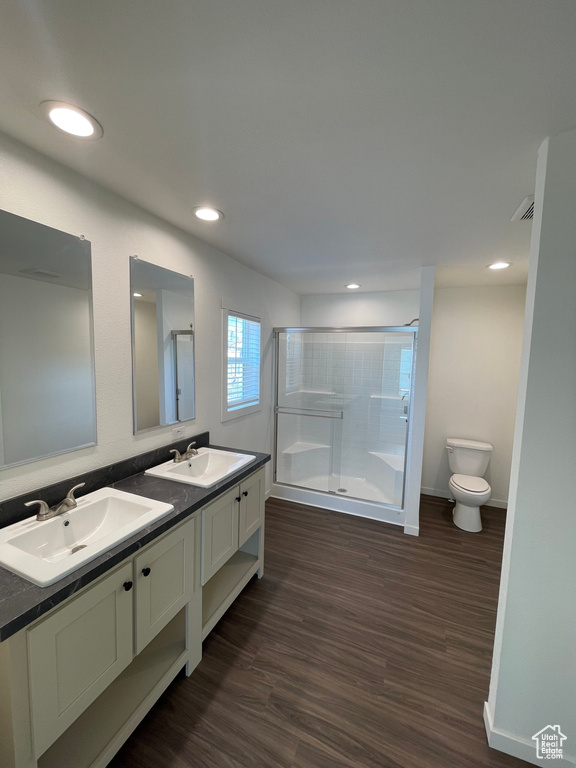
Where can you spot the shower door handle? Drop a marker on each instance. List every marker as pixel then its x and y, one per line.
pixel 316 412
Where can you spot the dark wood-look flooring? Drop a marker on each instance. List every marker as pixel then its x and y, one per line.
pixel 360 647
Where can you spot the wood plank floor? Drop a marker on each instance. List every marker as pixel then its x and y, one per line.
pixel 360 648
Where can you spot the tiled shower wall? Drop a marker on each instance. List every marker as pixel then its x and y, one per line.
pixel 358 373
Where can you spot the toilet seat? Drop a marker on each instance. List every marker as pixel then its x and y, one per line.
pixel 470 484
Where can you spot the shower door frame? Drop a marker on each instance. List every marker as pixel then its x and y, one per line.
pixel 177 388
pixel 279 409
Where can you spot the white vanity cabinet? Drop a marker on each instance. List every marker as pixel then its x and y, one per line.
pixel 75 683
pixel 75 653
pixel 219 533
pixel 79 680
pixel 251 506
pixel 164 583
pixel 230 521
pixel 232 546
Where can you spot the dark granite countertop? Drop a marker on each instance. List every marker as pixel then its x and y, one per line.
pixel 22 602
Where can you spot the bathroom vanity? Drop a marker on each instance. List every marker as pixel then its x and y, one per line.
pixel 77 677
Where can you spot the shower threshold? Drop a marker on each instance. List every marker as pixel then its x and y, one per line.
pixel 352 487
pixel 381 509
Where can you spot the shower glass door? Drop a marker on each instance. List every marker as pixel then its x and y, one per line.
pixel 342 410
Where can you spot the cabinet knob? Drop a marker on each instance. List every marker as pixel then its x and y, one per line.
pixel 145 572
pixel 128 585
pixel 238 498
pixel 244 493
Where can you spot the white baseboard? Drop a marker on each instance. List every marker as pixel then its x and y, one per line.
pixel 442 494
pixel 517 747
pixel 435 492
pixel 412 530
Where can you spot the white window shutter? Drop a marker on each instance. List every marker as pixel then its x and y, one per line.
pixel 243 336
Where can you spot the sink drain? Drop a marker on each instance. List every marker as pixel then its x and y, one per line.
pixel 342 490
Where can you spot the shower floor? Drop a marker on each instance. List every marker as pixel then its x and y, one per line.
pixel 355 488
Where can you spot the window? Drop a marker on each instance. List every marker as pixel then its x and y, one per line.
pixel 241 364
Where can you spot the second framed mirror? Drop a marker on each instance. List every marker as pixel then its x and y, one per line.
pixel 162 345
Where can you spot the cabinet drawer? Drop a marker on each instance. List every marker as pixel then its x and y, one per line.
pixel 164 576
pixel 219 533
pixel 77 652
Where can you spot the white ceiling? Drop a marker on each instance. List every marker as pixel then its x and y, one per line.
pixel 344 140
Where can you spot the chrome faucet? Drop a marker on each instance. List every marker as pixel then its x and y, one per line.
pixel 45 512
pixel 190 451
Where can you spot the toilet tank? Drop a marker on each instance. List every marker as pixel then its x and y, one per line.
pixel 468 457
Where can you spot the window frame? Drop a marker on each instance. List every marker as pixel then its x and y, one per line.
pixel 231 411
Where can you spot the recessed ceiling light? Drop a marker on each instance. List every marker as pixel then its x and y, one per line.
pixel 72 120
pixel 208 214
pixel 353 286
pixel 137 295
pixel 499 265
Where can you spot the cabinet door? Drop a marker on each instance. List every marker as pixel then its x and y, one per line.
pixel 164 576
pixel 219 533
pixel 251 506
pixel 77 652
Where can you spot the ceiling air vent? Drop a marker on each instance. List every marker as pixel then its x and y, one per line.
pixel 526 210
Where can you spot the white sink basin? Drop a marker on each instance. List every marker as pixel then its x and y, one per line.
pixel 44 552
pixel 209 467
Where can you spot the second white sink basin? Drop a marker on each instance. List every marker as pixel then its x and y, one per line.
pixel 209 467
pixel 44 552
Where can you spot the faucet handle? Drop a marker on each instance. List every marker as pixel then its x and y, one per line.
pixel 177 454
pixel 43 508
pixel 70 495
pixel 191 446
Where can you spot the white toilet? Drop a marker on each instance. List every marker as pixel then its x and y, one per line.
pixel 468 460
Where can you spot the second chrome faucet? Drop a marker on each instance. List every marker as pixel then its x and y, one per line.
pixel 190 451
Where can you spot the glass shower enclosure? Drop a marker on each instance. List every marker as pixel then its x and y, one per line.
pixel 343 406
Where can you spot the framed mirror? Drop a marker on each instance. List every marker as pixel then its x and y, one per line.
pixel 162 345
pixel 47 388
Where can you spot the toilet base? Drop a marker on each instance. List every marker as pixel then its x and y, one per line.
pixel 467 518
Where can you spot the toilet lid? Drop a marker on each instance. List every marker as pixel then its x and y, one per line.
pixel 469 483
